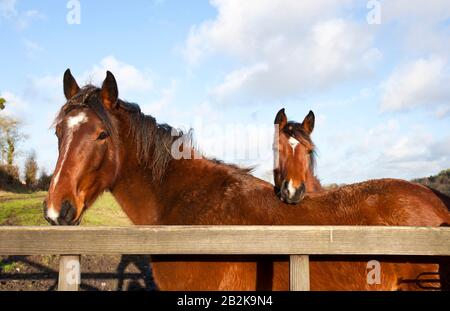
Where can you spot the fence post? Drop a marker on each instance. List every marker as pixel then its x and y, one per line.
pixel 299 273
pixel 69 278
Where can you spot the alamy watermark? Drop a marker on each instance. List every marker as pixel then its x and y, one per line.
pixel 373 269
pixel 73 16
pixel 73 272
pixel 373 17
pixel 240 142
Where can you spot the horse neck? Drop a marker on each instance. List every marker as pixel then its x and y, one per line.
pixel 149 202
pixel 135 192
pixel 134 188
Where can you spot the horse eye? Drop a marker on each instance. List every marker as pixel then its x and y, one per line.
pixel 102 136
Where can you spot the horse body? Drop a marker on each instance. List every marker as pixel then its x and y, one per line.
pixel 204 192
pixel 130 152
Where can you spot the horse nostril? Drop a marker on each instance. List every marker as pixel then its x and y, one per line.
pixel 290 194
pixel 285 188
pixel 67 213
pixel 302 189
pixel 65 207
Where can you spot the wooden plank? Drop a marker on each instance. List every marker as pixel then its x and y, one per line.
pixel 299 273
pixel 69 273
pixel 310 240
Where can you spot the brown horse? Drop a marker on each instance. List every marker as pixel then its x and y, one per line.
pixel 294 154
pixel 108 144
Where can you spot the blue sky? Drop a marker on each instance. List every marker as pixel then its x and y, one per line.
pixel 380 92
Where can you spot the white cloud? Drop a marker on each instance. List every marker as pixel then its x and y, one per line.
pixel 167 97
pixel 129 78
pixel 32 48
pixel 235 80
pixel 46 89
pixel 408 149
pixel 26 18
pixel 290 47
pixel 35 126
pixel 8 8
pixel 412 10
pixel 422 33
pixel 442 111
pixel 16 106
pixel 378 136
pixel 423 82
pixel 415 155
pixel 388 149
pixel 285 47
pixel 21 19
pixel 246 28
pixel 418 27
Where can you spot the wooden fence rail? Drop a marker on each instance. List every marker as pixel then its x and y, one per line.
pixel 297 241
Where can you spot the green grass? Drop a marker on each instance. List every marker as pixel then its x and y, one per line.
pixel 7 267
pixel 26 210
pixel 10 195
pixel 22 209
pixel 106 212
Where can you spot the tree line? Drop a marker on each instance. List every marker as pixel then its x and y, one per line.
pixel 10 177
pixel 440 182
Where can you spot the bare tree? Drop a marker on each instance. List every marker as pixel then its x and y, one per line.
pixel 10 136
pixel 31 170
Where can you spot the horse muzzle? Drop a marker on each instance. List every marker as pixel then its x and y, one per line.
pixel 66 216
pixel 290 194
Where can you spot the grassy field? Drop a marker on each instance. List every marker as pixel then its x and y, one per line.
pixel 19 273
pixel 17 209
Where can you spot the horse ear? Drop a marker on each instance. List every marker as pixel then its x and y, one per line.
pixel 109 92
pixel 308 123
pixel 70 85
pixel 281 119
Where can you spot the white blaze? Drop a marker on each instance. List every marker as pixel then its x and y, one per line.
pixel 72 124
pixel 76 120
pixel 291 189
pixel 293 142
